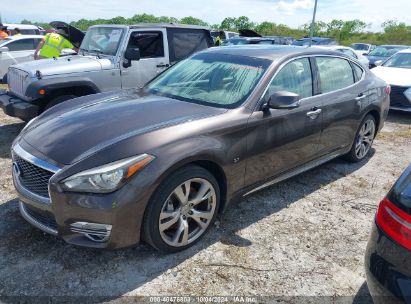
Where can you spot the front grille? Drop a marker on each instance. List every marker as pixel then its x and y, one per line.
pixel 17 81
pixel 33 178
pixel 43 218
pixel 398 98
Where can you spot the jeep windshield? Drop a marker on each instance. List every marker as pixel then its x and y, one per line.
pixel 217 80
pixel 102 40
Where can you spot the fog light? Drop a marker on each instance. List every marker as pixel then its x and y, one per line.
pixel 96 232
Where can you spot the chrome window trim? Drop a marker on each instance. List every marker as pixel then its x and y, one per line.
pixel 19 151
pixel 310 56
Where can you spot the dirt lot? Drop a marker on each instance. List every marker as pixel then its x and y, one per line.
pixel 302 237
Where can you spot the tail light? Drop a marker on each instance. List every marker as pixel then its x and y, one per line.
pixel 395 222
pixel 388 89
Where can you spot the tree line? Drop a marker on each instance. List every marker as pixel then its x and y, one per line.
pixel 345 32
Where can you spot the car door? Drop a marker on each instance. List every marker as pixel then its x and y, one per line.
pixel 154 57
pixel 342 93
pixel 283 139
pixel 20 50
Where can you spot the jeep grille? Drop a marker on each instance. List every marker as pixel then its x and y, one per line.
pixel 17 81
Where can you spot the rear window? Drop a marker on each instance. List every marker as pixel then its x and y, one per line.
pixel 400 194
pixel 335 73
pixel 185 42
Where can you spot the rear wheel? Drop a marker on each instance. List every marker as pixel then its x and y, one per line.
pixel 182 209
pixel 58 100
pixel 363 139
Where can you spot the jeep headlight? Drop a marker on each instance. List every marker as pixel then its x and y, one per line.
pixel 106 178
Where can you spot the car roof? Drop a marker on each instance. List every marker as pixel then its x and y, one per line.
pixel 393 45
pixel 21 26
pixel 272 52
pixel 405 51
pixel 18 37
pixel 153 25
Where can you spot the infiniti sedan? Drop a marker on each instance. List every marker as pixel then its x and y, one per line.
pixel 158 164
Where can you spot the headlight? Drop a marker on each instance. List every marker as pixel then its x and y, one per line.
pixel 106 178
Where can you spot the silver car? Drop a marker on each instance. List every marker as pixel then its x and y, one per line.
pixel 16 49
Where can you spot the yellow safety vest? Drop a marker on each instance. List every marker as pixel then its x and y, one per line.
pixel 53 45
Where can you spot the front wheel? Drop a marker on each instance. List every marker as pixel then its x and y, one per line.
pixel 363 139
pixel 182 209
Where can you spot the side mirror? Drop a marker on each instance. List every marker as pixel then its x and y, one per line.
pixel 378 63
pixel 4 49
pixel 131 54
pixel 284 100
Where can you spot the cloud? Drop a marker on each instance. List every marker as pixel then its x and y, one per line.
pixel 290 7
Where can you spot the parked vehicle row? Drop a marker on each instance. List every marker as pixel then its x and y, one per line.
pixel 111 57
pixel 383 52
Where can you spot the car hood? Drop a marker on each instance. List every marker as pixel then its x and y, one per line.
pixel 393 76
pixel 373 59
pixel 64 65
pixel 67 134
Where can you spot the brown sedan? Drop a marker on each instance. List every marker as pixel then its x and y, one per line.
pixel 160 163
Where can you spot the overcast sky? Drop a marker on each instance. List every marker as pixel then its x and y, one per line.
pixel 290 12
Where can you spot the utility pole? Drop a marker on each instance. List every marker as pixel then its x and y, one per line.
pixel 313 23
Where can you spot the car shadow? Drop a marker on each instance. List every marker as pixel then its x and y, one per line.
pixel 33 263
pixel 7 134
pixel 399 117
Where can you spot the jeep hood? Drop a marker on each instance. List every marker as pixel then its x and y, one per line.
pixel 65 65
pixel 67 134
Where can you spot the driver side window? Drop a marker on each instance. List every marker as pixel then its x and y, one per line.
pixel 294 77
pixel 150 44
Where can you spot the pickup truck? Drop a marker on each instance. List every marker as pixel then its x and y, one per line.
pixel 110 57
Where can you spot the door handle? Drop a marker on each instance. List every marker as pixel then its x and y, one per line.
pixel 163 65
pixel 360 97
pixel 314 113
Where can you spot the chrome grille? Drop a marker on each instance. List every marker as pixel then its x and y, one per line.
pixel 17 81
pixel 32 177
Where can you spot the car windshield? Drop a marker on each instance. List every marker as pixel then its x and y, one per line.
pixel 385 51
pixel 5 41
pixel 102 40
pixel 217 80
pixel 399 60
pixel 359 47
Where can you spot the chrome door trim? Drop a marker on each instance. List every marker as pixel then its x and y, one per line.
pixel 287 175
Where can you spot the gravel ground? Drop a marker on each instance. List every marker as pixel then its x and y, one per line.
pixel 302 237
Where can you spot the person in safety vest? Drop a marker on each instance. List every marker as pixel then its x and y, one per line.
pixel 219 38
pixel 3 32
pixel 52 44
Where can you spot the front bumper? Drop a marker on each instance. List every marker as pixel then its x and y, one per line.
pixel 387 269
pixel 17 107
pixel 108 221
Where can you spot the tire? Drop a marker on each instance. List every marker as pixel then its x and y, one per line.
pixel 185 224
pixel 58 100
pixel 364 138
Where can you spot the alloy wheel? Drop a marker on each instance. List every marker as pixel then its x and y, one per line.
pixel 187 212
pixel 365 138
